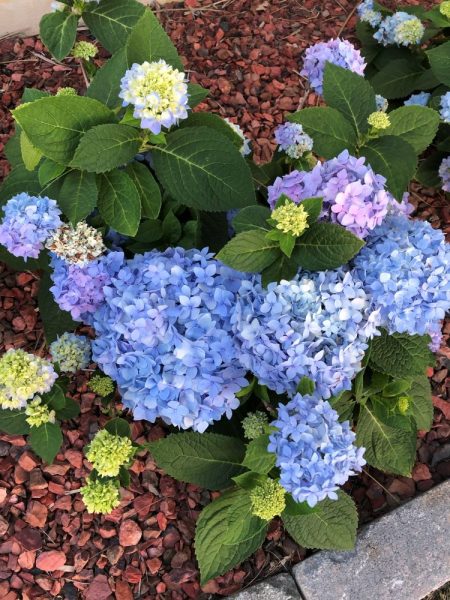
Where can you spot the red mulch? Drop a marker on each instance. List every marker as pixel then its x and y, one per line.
pixel 247 53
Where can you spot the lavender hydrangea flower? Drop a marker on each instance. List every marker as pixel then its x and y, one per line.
pixel 445 108
pixel 354 196
pixel 164 335
pixel 28 222
pixel 293 140
pixel 420 99
pixel 336 51
pixel 401 29
pixel 444 174
pixel 316 325
pixel 404 270
pixel 367 13
pixel 315 452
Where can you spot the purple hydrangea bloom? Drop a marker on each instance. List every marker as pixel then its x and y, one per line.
pixel 316 325
pixel 420 99
pixel 293 140
pixel 315 452
pixel 80 289
pixel 28 222
pixel 354 196
pixel 164 335
pixel 444 174
pixel 368 14
pixel 404 269
pixel 445 108
pixel 401 29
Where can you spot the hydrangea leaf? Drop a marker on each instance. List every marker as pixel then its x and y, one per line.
pixel 19 180
pixel 226 534
pixel 252 217
pixel 55 398
pixel 250 251
pixel 330 525
pixel 439 58
pixel 30 155
pixel 46 440
pixel 147 188
pixel 105 86
pixel 12 150
pixel 400 355
pixel 416 125
pixel 58 31
pixel 203 119
pixel 330 130
pixel 428 170
pixel 119 202
pixel 77 197
pixel 257 457
pixel 14 422
pixel 49 170
pixel 70 410
pixel 55 320
pixel 398 79
pixel 421 406
pixel 209 460
pixel 118 427
pixel 196 94
pixel 282 268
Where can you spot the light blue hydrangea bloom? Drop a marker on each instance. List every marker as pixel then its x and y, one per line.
pixel 367 13
pixel 28 222
pixel 164 335
pixel 71 352
pixel 246 148
pixel 401 29
pixel 316 325
pixel 444 174
pixel 404 270
pixel 381 102
pixel 291 138
pixel 420 99
pixel 336 51
pixel 445 107
pixel 315 452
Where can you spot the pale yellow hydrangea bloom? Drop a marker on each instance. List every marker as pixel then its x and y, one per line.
pixel 290 218
pixel 100 496
pixel 379 120
pixel 38 413
pixel 108 452
pixel 268 499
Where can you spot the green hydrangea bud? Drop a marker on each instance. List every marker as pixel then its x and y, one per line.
pixel 403 404
pixel 291 218
pixel 444 8
pixel 108 452
pixel 100 496
pixel 254 424
pixel 268 499
pixel 38 413
pixel 66 91
pixel 102 386
pixel 379 120
pixel 84 50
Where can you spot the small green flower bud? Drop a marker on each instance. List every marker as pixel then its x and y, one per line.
pixel 291 218
pixel 268 499
pixel 100 496
pixel 102 386
pixel 403 404
pixel 38 413
pixel 444 8
pixel 254 424
pixel 379 120
pixel 84 50
pixel 66 91
pixel 108 452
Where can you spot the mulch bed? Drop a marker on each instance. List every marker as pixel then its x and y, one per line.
pixel 247 54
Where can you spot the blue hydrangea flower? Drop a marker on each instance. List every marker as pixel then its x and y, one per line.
pixel 316 325
pixel 80 289
pixel 315 452
pixel 444 174
pixel 401 29
pixel 245 149
pixel 71 352
pixel 164 335
pixel 291 138
pixel 354 196
pixel 28 222
pixel 404 270
pixel 367 13
pixel 381 102
pixel 445 107
pixel 336 51
pixel 420 99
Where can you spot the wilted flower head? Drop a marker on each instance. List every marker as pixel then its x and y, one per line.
pixel 100 496
pixel 381 102
pixel 77 245
pixel 254 424
pixel 400 28
pixel 293 140
pixel 38 413
pixel 444 8
pixel 71 352
pixel 84 50
pixel 158 93
pixel 22 375
pixel 245 148
pixel 368 14
pixel 66 91
pixel 268 499
pixel 420 99
pixel 444 174
pixel 445 107
pixel 379 120
pixel 102 386
pixel 28 222
pixel 290 218
pixel 108 452
pixel 315 452
pixel 336 51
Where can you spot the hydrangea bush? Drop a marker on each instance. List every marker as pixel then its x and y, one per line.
pixel 278 318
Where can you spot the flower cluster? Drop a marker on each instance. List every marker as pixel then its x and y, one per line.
pixel 316 325
pixel 100 496
pixel 354 196
pixel 158 93
pixel 444 8
pixel 79 289
pixel 76 245
pixel 164 335
pixel 404 269
pixel 368 14
pixel 290 218
pixel 84 50
pixel 379 120
pixel 245 148
pixel 315 452
pixel 268 499
pixel 291 138
pixel 445 107
pixel 336 51
pixel 381 103
pixel 254 424
pixel 401 29
pixel 420 99
pixel 28 222
pixel 22 375
pixel 108 452
pixel 38 413
pixel 444 174
pixel 102 386
pixel 71 352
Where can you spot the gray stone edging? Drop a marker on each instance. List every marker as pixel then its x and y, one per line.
pixel 278 587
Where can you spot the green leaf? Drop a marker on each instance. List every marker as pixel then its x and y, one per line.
pixel 416 125
pixel 306 386
pixel 12 150
pixel 55 320
pixel 344 405
pixel 71 410
pixel 421 404
pixel 55 398
pixel 437 17
pixel 400 355
pixel 46 440
pixel 439 58
pixel 118 427
pixel 58 31
pixel 32 94
pixel 331 525
pixel 294 508
pixel 388 448
pixel 203 171
pixel 257 457
pixel 119 202
pixel 203 119
pixel 329 129
pixel 55 124
pixel 428 170
pixel 209 460
pixel 105 86
pixel 226 534
pixel 249 251
pixel 147 188
pixel 249 480
pixel 395 388
pixel 282 268
pixel 196 94
pixel 398 79
pixel 16 263
pixel 252 217
pixel 212 230
pixel 350 94
pixel 13 422
pixel 149 231
pixel 19 180
pixel 326 246
pixel 111 21
pixel 78 195
pixel 393 158
pixel 313 207
pixel 49 170
pixel 171 228
pixel 30 155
